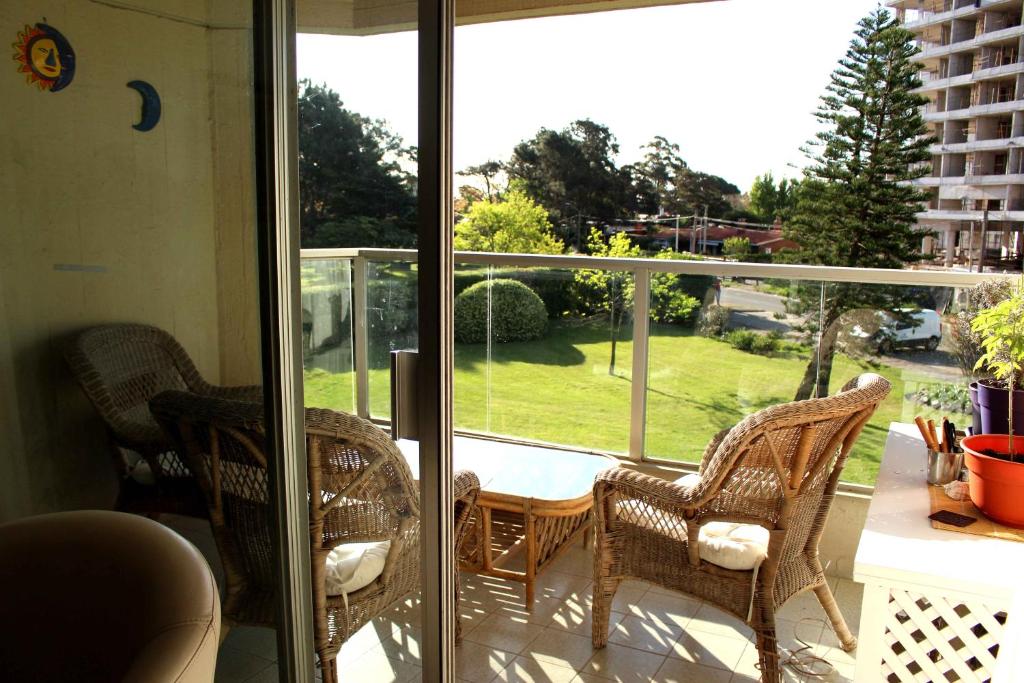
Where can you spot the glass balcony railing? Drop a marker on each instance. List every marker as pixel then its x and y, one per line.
pixel 713 341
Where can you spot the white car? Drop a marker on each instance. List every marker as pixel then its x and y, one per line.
pixel 906 327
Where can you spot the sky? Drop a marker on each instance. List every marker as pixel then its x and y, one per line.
pixel 734 83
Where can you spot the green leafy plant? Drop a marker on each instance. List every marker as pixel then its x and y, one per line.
pixel 1001 329
pixel 713 320
pixel 948 396
pixel 516 313
pixel 736 247
pixel 753 342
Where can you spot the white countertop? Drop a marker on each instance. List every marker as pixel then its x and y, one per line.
pixel 899 545
pixel 518 470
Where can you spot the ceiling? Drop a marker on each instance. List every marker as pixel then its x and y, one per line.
pixel 366 17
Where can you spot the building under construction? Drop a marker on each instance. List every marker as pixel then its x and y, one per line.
pixel 974 78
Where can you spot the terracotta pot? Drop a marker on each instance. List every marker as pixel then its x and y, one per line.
pixel 996 486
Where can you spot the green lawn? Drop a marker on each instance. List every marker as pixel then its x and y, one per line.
pixel 558 390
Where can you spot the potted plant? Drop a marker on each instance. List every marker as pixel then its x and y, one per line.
pixel 994 459
pixel 967 343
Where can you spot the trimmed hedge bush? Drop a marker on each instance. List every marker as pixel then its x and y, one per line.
pixel 753 342
pixel 555 287
pixel 517 313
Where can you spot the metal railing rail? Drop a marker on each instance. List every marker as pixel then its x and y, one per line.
pixel 641 269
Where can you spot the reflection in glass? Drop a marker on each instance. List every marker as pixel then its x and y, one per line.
pixel 771 341
pixel 327 340
pixel 563 380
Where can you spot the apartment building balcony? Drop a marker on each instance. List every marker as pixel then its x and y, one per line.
pixel 931 51
pixel 977 145
pixel 973 179
pixel 926 18
pixel 930 82
pixel 967 111
pixel 944 215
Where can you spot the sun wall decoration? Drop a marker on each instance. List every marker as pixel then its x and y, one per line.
pixel 45 57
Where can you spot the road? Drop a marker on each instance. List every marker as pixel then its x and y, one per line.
pixel 745 299
pixel 766 312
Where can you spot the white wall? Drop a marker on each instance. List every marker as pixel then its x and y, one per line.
pixel 156 217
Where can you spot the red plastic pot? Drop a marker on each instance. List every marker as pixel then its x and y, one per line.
pixel 996 486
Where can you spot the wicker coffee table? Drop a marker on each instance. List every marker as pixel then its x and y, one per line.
pixel 534 502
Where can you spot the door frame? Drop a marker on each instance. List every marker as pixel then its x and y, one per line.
pixel 276 147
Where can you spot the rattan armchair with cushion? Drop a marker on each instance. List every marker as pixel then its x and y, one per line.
pixel 121 367
pixel 364 516
pixel 743 535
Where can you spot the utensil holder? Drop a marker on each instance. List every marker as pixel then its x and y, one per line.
pixel 943 467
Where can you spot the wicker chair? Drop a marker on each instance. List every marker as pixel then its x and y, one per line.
pixel 120 368
pixel 777 469
pixel 365 494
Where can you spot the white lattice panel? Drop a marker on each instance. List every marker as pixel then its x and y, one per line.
pixel 939 638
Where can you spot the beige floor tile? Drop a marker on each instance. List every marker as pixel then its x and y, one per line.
pixel 802 606
pixel 576 560
pixel 235 665
pixel 504 633
pixel 709 649
pixel 681 671
pixel 526 670
pixel 268 675
pixel 479 663
pixel 376 666
pixel 710 619
pixel 578 618
pixel 665 611
pixel 845 663
pixel 645 634
pixel 560 647
pixel 404 644
pixel 560 585
pixel 261 642
pixel 629 593
pixel 623 664
pixel 796 671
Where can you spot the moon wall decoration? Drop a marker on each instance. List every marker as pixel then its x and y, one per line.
pixel 150 105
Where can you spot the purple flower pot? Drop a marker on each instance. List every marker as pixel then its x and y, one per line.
pixel 992 409
pixel 972 388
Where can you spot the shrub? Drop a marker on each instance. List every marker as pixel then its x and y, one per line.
pixel 670 306
pixel 953 398
pixel 967 342
pixel 517 313
pixel 736 247
pixel 753 342
pixel 676 299
pixel 713 320
pixel 554 286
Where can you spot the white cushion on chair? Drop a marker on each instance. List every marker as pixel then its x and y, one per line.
pixel 351 566
pixel 730 545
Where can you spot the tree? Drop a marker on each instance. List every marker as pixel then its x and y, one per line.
pixel 770 201
pixel 664 183
pixel 573 175
pixel 351 174
pixel 516 225
pixel 736 247
pixel 657 177
pixel 856 206
pixel 611 291
pixel 488 171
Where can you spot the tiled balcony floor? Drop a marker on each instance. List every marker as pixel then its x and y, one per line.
pixel 657 636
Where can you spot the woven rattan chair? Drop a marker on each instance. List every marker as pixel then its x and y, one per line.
pixel 120 368
pixel 777 469
pixel 365 494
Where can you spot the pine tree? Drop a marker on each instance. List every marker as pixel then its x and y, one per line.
pixel 856 206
